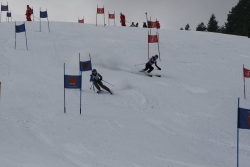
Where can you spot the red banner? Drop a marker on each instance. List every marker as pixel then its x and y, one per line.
pixel 246 73
pixel 154 24
pixel 81 21
pixel 152 39
pixel 111 16
pixel 100 10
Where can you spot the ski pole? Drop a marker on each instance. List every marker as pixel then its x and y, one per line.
pixel 93 87
pixel 140 64
pixel 107 82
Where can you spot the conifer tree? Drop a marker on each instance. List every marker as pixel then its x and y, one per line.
pixel 212 25
pixel 201 27
pixel 187 27
pixel 238 20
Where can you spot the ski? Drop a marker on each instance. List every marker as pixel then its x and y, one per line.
pixel 101 91
pixel 158 75
pixel 150 75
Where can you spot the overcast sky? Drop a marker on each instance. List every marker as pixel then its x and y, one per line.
pixel 172 14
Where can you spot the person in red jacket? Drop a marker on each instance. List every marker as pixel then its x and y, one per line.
pixel 28 13
pixel 123 20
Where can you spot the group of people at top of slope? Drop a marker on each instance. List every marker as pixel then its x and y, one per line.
pixel 122 18
pixel 123 22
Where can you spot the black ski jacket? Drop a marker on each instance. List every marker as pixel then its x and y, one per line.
pixel 95 77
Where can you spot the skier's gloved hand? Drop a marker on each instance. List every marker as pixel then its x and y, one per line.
pixel 100 78
pixel 159 68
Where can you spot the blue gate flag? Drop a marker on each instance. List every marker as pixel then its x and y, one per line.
pixel 85 66
pixel 4 8
pixel 20 28
pixel 8 14
pixel 72 81
pixel 43 14
pixel 243 118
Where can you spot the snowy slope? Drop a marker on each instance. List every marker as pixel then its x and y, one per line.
pixel 186 118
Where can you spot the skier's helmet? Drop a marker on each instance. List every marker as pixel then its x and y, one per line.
pixel 156 56
pixel 94 70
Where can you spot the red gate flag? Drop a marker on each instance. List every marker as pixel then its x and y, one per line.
pixel 152 38
pixel 111 16
pixel 100 10
pixel 246 73
pixel 158 24
pixel 152 24
pixel 81 21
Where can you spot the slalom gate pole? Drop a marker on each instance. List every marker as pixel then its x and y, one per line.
pixel 15 34
pixel 108 83
pixel 238 134
pixel 48 20
pixel 81 98
pixel 0 91
pixel 26 37
pixel 244 84
pixel 40 21
pixel 64 93
pixel 114 18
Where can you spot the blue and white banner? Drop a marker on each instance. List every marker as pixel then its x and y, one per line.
pixel 8 14
pixel 85 66
pixel 243 118
pixel 72 81
pixel 43 14
pixel 20 28
pixel 4 8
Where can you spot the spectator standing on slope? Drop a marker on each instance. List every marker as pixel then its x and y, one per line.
pixel 28 13
pixel 132 25
pixel 122 20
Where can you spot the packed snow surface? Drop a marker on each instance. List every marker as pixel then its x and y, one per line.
pixel 186 118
